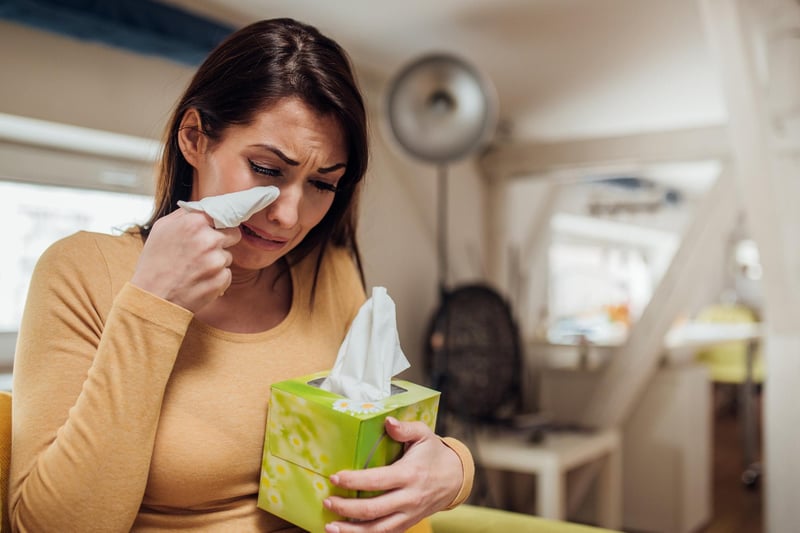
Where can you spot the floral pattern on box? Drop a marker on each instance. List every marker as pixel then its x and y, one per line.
pixel 312 433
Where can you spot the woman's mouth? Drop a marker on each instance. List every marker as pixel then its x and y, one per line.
pixel 262 242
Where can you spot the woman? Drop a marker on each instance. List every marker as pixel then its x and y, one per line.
pixel 144 360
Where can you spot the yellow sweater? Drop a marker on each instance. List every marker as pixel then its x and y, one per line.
pixel 130 415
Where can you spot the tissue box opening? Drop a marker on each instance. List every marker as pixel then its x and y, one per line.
pixel 312 433
pixel 395 388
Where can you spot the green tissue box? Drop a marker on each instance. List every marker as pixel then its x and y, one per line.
pixel 312 433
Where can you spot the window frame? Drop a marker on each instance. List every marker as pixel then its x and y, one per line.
pixel 60 155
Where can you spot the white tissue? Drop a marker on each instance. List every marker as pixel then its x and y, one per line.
pixel 231 209
pixel 370 354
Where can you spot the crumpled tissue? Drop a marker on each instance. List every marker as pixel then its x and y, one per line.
pixel 370 353
pixel 231 209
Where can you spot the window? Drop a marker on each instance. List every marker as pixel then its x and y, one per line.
pixel 33 216
pixel 596 291
pixel 109 177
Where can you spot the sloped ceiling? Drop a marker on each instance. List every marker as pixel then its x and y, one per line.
pixel 562 68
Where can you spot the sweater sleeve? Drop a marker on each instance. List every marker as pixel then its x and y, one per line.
pixel 468 467
pixel 90 372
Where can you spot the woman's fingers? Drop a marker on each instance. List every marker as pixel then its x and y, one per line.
pixel 423 481
pixel 407 432
pixel 230 236
pixel 380 478
pixel 389 480
pixel 396 523
pixel 185 260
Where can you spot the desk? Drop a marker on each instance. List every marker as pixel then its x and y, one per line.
pixel 684 341
pixel 564 355
pixel 552 459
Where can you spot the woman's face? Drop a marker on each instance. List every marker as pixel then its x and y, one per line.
pixel 290 146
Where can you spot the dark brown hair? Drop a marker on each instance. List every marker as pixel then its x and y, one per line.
pixel 250 70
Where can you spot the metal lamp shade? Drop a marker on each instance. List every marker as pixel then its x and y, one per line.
pixel 440 109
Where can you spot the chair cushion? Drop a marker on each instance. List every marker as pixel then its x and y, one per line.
pixel 5 457
pixel 473 519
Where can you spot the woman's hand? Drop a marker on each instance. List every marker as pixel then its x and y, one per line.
pixel 425 480
pixel 185 260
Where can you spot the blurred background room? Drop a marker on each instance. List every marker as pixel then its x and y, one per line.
pixel 603 282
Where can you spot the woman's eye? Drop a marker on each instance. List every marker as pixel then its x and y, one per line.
pixel 324 185
pixel 264 170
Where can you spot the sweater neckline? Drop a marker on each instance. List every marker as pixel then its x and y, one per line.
pixel 257 336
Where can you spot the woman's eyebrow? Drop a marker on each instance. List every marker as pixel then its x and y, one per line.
pixel 286 159
pixel 289 161
pixel 331 168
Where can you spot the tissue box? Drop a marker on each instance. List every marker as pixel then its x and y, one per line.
pixel 312 433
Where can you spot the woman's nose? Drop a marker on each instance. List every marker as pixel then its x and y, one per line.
pixel 284 211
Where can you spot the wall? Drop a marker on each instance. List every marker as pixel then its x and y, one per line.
pixel 50 77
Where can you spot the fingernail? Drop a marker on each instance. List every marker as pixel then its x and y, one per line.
pixel 334 479
pixel 331 528
pixel 327 503
pixel 392 420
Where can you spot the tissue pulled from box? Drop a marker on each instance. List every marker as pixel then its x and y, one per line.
pixel 370 355
pixel 231 209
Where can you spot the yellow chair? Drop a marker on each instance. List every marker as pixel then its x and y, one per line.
pixel 727 361
pixel 5 457
pixel 473 519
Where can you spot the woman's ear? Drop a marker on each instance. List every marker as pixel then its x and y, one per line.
pixel 191 139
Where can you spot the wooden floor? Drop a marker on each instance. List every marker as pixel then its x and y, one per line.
pixel 737 508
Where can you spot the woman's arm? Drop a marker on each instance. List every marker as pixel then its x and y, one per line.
pixel 88 386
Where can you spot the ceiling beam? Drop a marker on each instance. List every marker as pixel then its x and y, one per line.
pixel 141 26
pixel 526 159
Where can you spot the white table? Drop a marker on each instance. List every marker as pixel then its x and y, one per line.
pixel 688 338
pixel 552 459
pixel 683 341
